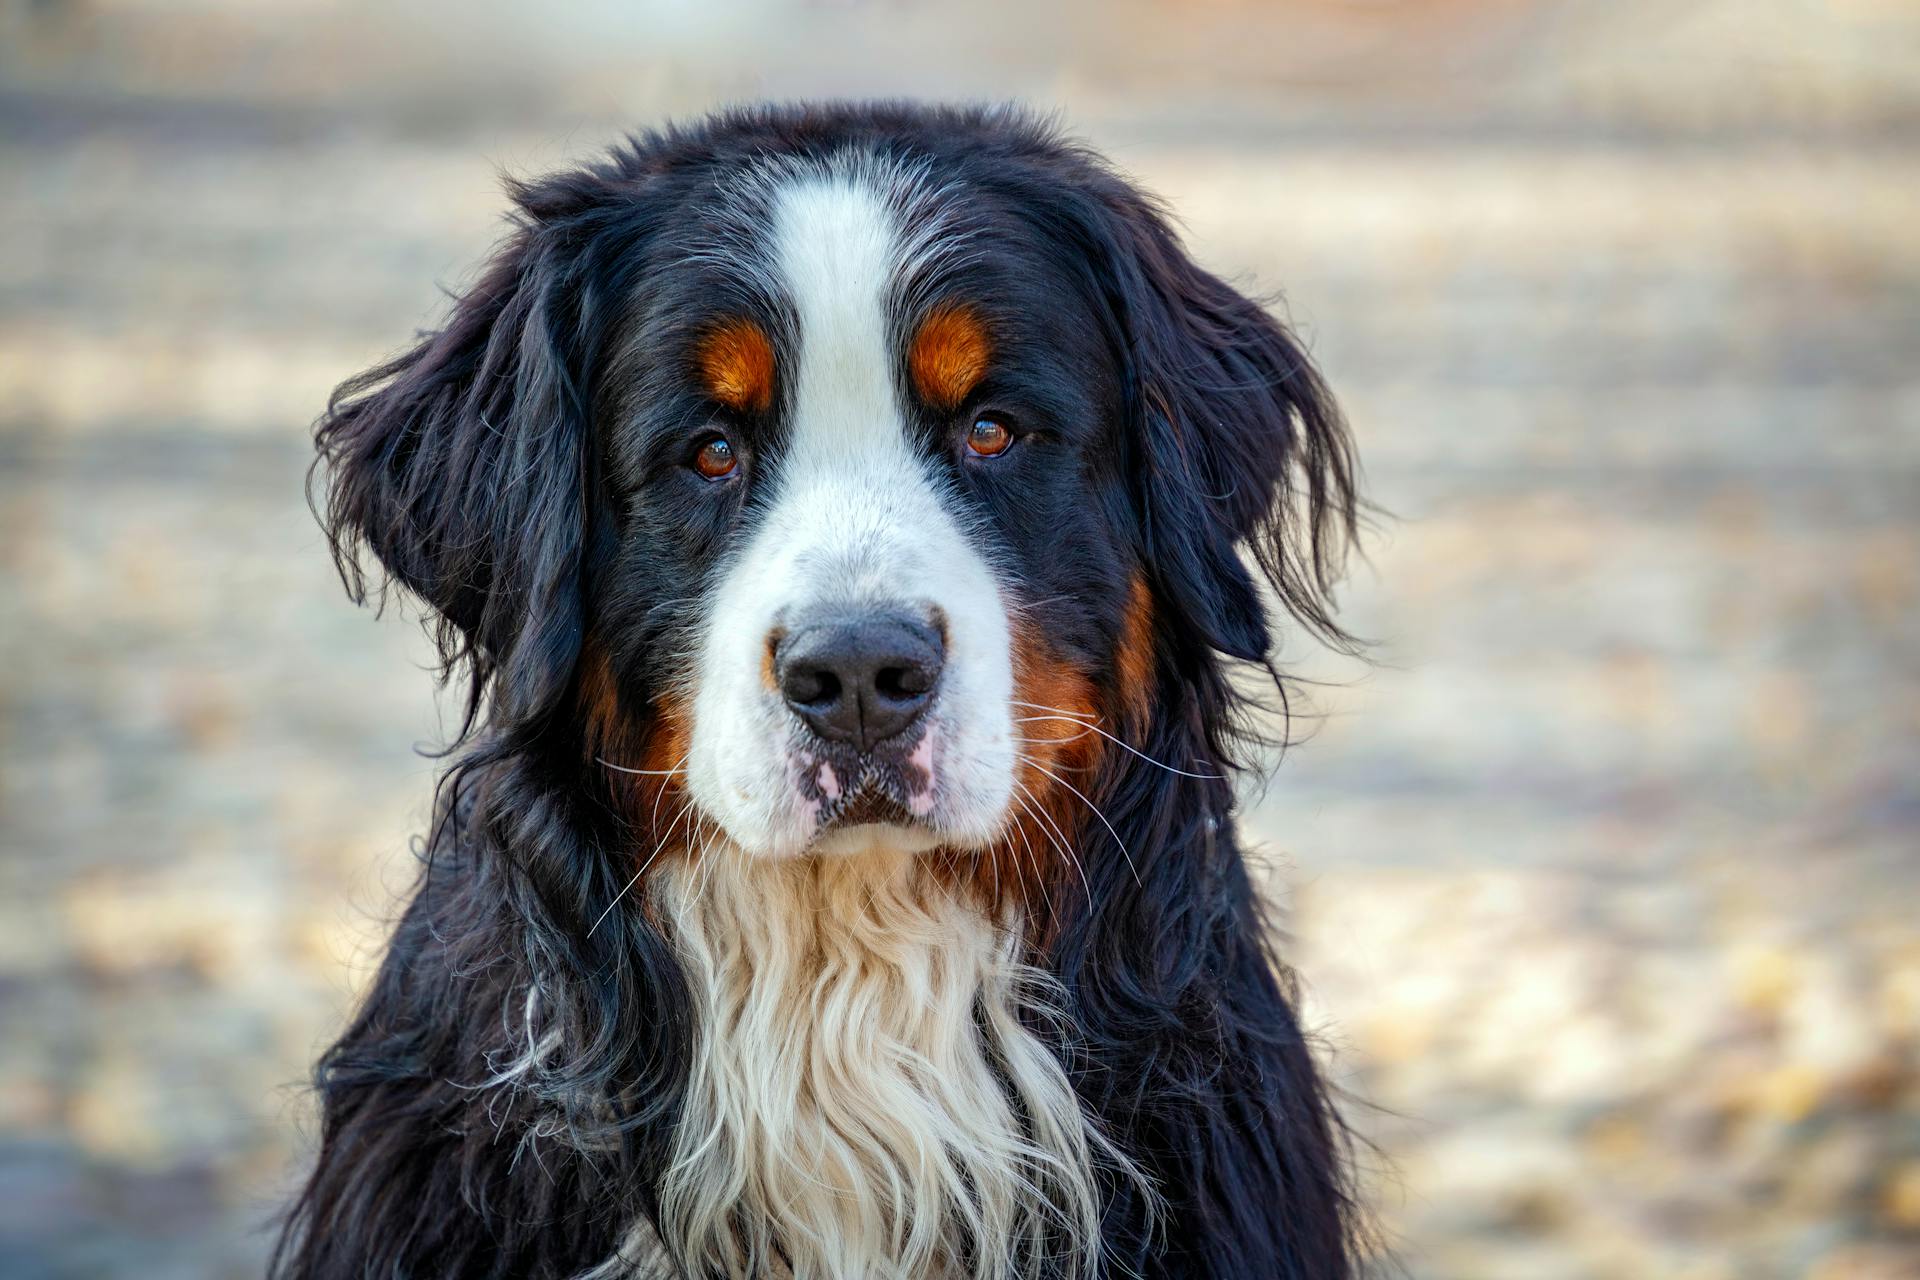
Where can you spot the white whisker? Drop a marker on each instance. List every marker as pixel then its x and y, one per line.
pixel 644 773
pixel 1051 829
pixel 1124 746
pixel 1033 858
pixel 653 819
pixel 1096 813
pixel 1041 742
pixel 628 887
pixel 1087 718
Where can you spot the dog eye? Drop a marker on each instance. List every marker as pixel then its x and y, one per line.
pixel 716 458
pixel 989 437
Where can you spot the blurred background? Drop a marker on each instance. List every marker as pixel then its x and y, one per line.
pixel 1603 879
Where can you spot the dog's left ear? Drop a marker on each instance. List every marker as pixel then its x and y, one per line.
pixel 1236 440
pixel 463 465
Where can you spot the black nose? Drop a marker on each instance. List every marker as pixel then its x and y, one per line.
pixel 859 680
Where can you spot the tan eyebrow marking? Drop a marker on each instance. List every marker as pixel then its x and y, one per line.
pixel 949 355
pixel 736 363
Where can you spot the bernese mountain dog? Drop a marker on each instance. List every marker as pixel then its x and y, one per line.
pixel 857 530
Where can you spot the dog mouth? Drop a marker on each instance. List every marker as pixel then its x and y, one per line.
pixel 850 789
pixel 874 803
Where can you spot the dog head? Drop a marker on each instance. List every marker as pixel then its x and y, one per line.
pixel 843 476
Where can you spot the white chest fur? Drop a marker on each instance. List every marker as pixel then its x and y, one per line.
pixel 866 1099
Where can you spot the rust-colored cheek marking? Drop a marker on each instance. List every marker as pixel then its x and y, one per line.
pixel 604 730
pixel 948 356
pixel 736 365
pixel 1035 863
pixel 653 743
pixel 1133 659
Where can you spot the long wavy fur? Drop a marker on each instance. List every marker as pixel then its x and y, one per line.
pixel 505 1101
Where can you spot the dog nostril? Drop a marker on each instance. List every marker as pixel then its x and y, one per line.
pixel 812 686
pixel 901 683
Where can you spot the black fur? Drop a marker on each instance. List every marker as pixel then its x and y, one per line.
pixel 520 472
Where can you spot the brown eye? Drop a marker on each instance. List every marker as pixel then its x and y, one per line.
pixel 716 458
pixel 988 437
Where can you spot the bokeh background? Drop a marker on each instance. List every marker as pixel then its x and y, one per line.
pixel 1602 877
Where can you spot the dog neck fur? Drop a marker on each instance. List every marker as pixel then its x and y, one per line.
pixel 867 1097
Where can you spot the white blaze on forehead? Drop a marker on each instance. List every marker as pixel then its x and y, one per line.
pixel 853 492
pixel 852 486
pixel 856 519
pixel 834 250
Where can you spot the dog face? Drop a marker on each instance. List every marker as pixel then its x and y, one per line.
pixel 843 478
pixel 853 677
pixel 888 422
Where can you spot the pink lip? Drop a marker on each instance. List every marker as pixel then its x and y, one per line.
pixel 921 803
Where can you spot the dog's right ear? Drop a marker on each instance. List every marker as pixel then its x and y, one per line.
pixel 463 464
